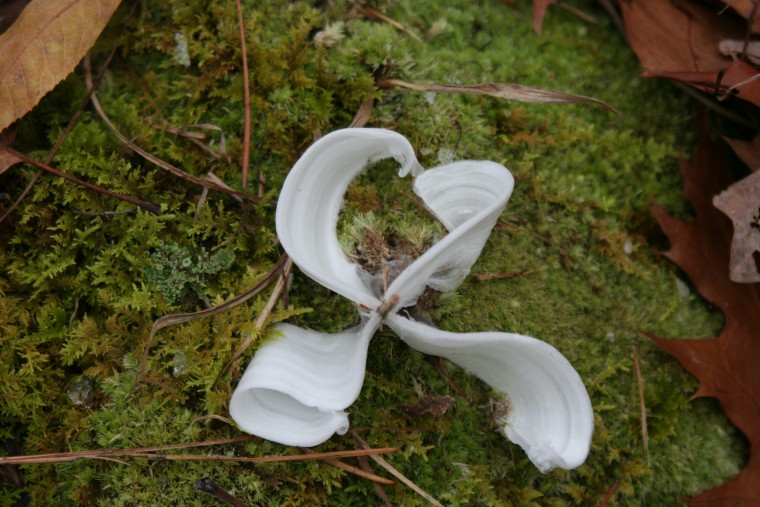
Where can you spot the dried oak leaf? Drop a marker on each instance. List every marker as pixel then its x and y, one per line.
pixel 726 366
pixel 680 40
pixel 7 157
pixel 748 9
pixel 741 203
pixel 748 151
pixel 43 46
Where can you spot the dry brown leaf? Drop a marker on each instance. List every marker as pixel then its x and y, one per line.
pixel 741 203
pixel 7 159
pixel 726 366
pixel 746 8
pixel 507 91
pixel 748 151
pixel 737 78
pixel 677 36
pixel 681 40
pixel 43 46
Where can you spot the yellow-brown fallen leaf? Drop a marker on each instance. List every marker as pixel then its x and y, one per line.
pixel 43 46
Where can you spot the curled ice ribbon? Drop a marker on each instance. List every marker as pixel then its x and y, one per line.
pixel 297 387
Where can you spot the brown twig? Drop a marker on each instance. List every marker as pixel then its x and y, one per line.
pixel 366 474
pixel 261 320
pixel 379 489
pixel 149 156
pixel 147 206
pixel 609 6
pixel 246 100
pixel 588 18
pixel 609 494
pixel 642 403
pixel 170 320
pixel 392 470
pixel 499 276
pixel 206 485
pixel 373 14
pixel 152 454
pixel 442 372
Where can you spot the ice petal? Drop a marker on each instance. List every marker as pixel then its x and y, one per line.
pixel 297 386
pixel 308 206
pixel 550 414
pixel 468 197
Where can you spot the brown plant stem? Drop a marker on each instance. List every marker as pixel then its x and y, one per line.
pixel 151 453
pixel 261 320
pixel 170 320
pixel 392 470
pixel 147 206
pixel 149 156
pixel 208 486
pixel 366 474
pixel 246 101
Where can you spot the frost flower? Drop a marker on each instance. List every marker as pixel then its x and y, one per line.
pixel 297 387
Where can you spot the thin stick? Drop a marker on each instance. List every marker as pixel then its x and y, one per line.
pixel 379 489
pixel 147 206
pixel 440 366
pixel 577 12
pixel 246 101
pixel 500 276
pixel 373 14
pixel 352 469
pixel 261 320
pixel 390 468
pixel 149 156
pixel 640 382
pixel 170 320
pixel 208 486
pixel 614 14
pixel 65 457
pixel 609 494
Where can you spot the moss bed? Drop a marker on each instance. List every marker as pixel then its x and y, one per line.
pixel 84 276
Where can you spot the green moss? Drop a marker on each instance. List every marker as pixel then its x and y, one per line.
pixel 80 284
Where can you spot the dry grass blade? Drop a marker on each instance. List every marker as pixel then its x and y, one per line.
pixel 170 320
pixel 363 114
pixel 392 470
pixel 507 91
pixel 150 157
pixel 366 474
pixel 642 403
